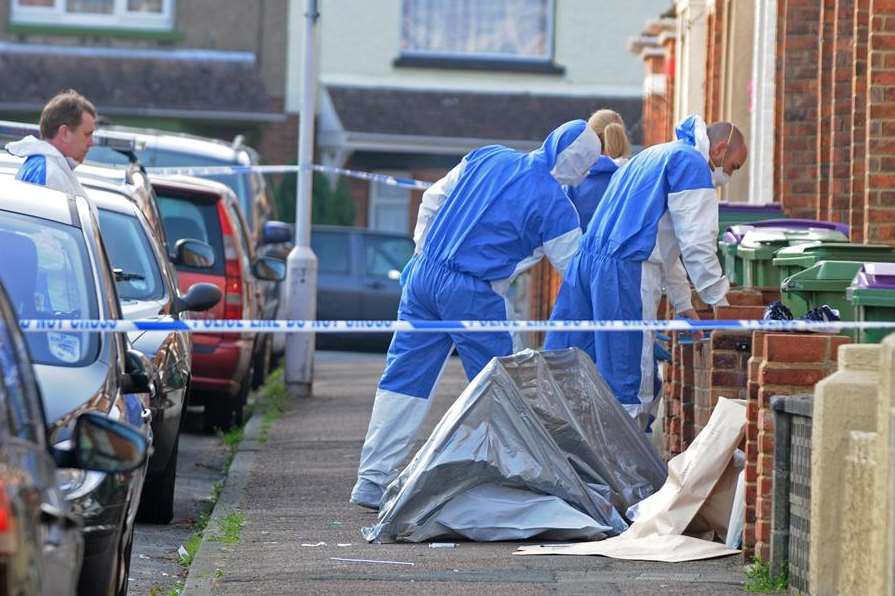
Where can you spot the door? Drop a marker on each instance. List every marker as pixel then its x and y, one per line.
pixel 383 259
pixel 339 284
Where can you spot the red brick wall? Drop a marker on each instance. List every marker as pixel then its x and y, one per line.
pixel 797 138
pixel 671 85
pixel 859 125
pixel 713 62
pixel 880 160
pixel 782 364
pixel 826 44
pixel 841 100
pixel 655 105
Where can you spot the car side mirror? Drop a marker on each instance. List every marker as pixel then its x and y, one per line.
pixel 276 232
pixel 193 253
pixel 135 378
pixel 269 269
pixel 103 445
pixel 200 296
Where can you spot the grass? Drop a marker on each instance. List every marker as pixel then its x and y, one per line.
pixel 271 401
pixel 760 579
pixel 230 526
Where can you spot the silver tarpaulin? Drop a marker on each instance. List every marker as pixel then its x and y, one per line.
pixel 536 445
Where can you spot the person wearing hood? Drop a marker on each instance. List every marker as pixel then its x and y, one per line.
pixel 659 209
pixel 493 216
pixel 67 124
pixel 616 149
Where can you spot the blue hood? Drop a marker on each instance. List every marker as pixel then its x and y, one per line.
pixel 569 151
pixel 692 130
pixel 604 165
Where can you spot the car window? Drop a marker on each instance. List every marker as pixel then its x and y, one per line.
pixel 18 391
pixel 48 275
pixel 332 251
pixel 130 251
pixel 385 255
pixel 198 220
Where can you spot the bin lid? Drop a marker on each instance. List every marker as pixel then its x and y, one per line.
pixel 736 233
pixel 770 208
pixel 763 243
pixel 802 224
pixel 875 276
pixel 808 254
pixel 823 276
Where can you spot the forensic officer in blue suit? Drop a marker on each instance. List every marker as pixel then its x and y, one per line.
pixel 660 207
pixel 616 149
pixel 495 215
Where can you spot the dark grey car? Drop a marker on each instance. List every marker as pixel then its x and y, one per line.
pixel 55 267
pixel 359 278
pixel 40 538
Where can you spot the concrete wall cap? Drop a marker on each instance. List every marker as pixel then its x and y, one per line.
pixel 859 357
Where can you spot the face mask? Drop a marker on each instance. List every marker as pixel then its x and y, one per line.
pixel 720 177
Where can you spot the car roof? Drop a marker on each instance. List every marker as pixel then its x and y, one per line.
pixel 186 143
pixel 109 197
pixel 354 230
pixel 192 184
pixel 37 201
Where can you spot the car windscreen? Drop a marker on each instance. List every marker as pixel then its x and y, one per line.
pixel 385 256
pixel 183 218
pixel 48 275
pixel 137 274
pixel 332 251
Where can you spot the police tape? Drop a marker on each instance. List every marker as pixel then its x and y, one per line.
pixel 307 326
pixel 287 169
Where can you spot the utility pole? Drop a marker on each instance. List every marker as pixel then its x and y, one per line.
pixel 301 265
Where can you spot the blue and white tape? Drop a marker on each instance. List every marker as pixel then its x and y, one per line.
pixel 302 326
pixel 286 169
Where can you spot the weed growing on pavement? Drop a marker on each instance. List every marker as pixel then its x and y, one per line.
pixel 230 526
pixel 760 579
pixel 272 402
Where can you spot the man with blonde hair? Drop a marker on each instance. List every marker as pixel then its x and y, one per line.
pixel 67 124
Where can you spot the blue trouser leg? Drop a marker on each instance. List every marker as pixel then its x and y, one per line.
pixel 573 304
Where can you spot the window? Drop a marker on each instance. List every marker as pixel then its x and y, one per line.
pixel 332 251
pixel 389 206
pixel 131 252
pixel 182 218
pixel 496 29
pixel 125 14
pixel 48 275
pixel 386 256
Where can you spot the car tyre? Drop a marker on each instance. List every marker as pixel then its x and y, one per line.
pixel 124 564
pixel 262 363
pixel 225 413
pixel 157 500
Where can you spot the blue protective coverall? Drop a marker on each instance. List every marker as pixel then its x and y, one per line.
pixel 587 195
pixel 496 214
pixel 659 207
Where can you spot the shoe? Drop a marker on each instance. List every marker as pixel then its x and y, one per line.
pixel 367 494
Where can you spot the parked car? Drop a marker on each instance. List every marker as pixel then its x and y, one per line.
pixel 147 288
pixel 224 364
pixel 55 267
pixel 359 275
pixel 41 545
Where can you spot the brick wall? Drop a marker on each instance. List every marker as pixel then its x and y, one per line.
pixel 797 139
pixel 841 100
pixel 826 43
pixel 859 115
pixel 714 61
pixel 781 364
pixel 655 101
pixel 880 159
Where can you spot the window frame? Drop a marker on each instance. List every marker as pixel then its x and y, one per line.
pixel 120 18
pixel 375 199
pixel 432 58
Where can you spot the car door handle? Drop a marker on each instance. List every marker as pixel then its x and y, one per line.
pixel 52 515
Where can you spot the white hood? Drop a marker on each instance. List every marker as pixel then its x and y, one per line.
pixel 31 145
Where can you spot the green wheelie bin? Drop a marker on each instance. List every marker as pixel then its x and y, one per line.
pixel 872 293
pixel 793 259
pixel 759 246
pixel 825 282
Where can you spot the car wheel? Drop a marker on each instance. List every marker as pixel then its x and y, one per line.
pixel 157 500
pixel 225 413
pixel 124 563
pixel 262 363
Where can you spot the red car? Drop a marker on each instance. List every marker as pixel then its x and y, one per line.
pixel 199 209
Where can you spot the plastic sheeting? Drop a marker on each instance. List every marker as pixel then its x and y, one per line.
pixel 536 445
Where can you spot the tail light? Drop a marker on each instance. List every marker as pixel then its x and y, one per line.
pixel 7 524
pixel 232 269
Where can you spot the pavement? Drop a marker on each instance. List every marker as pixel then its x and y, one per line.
pixel 291 493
